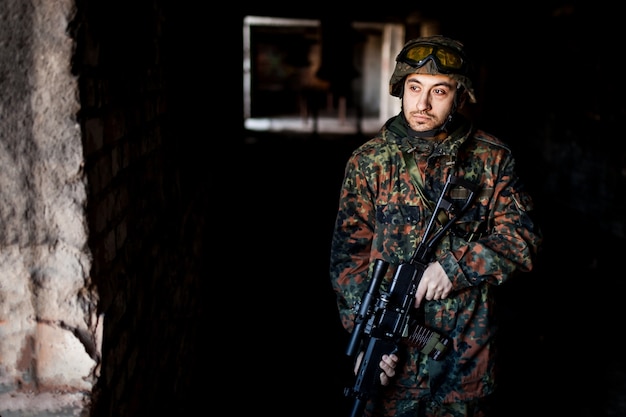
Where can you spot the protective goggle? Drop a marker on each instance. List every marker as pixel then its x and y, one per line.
pixel 447 60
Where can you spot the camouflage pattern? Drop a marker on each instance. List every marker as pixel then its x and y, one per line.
pixel 381 215
pixel 402 69
pixel 401 403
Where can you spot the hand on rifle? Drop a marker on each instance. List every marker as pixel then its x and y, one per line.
pixel 434 285
pixel 387 365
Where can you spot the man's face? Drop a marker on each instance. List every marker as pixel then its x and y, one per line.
pixel 427 100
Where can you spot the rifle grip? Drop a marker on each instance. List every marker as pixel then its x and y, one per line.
pixel 367 381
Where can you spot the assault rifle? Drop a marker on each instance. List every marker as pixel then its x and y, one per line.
pixel 384 316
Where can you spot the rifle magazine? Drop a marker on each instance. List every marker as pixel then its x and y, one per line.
pixel 428 341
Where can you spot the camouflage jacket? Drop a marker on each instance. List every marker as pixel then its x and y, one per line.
pixel 381 215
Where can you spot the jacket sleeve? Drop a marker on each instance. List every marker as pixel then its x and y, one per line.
pixel 511 238
pixel 351 240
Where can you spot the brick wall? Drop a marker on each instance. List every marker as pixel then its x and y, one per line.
pixel 145 222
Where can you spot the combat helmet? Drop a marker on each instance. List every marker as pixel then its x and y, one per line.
pixel 432 55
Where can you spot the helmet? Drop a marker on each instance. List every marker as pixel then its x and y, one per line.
pixel 432 55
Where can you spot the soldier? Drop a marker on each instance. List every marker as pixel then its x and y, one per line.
pixel 391 184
